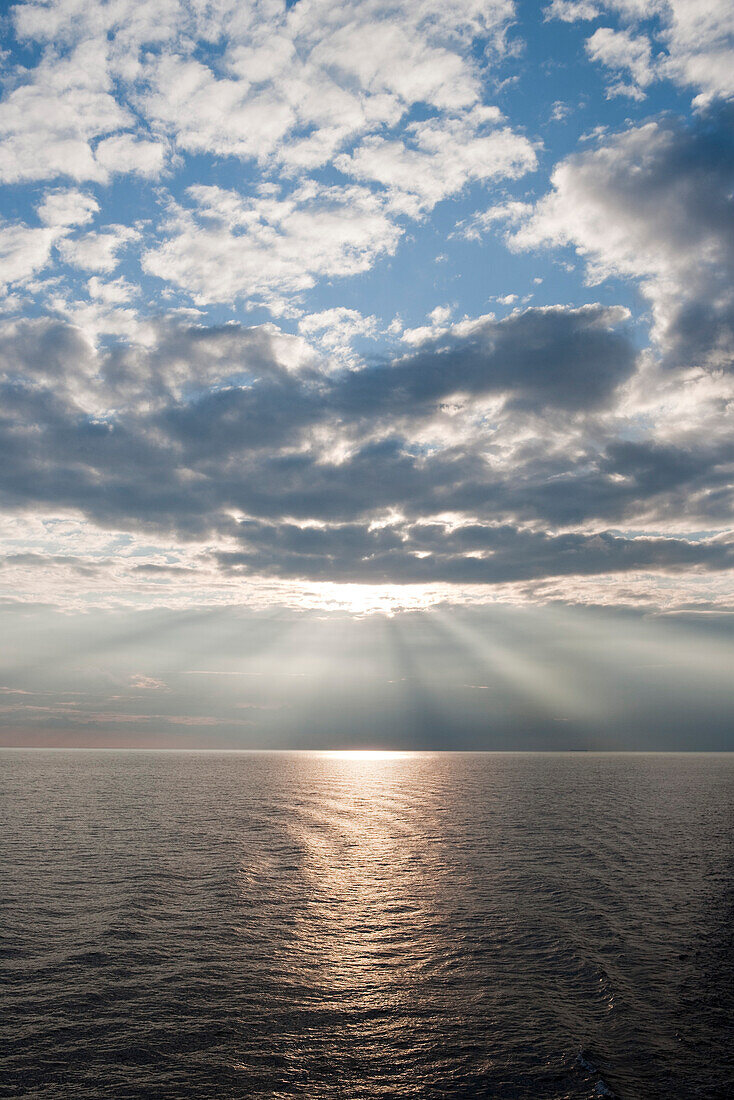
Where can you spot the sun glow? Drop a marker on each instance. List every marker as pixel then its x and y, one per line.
pixel 365 754
pixel 366 599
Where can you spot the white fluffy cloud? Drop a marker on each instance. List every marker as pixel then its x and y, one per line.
pixel 24 251
pixel 98 251
pixel 294 87
pixel 568 11
pixel 700 45
pixel 438 157
pixel 112 292
pixel 291 84
pixel 128 153
pixel 229 247
pixel 623 52
pixel 48 122
pixel 695 39
pixel 128 89
pixel 67 207
pixel 333 330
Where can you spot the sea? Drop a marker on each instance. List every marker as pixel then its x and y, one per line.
pixel 341 926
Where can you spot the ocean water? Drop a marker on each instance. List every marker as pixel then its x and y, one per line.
pixel 419 925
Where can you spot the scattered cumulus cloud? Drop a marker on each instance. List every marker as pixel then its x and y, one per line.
pixel 65 208
pixel 696 43
pixel 625 53
pixel 438 158
pixel 226 247
pixel 97 251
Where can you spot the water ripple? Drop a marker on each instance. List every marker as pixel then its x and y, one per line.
pixel 425 925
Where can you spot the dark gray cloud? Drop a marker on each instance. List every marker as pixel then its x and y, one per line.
pixel 570 359
pixel 470 554
pixel 322 464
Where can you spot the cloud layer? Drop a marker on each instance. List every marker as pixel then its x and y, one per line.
pixel 306 294
pixel 490 454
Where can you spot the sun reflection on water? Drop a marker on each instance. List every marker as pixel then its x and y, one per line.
pixel 369 902
pixel 344 888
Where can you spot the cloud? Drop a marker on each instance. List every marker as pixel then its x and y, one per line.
pixel 468 554
pixel 48 122
pixel 382 102
pixel 229 247
pixel 700 45
pixel 128 153
pixel 333 331
pixel 147 683
pixel 177 361
pixel 551 357
pixel 481 457
pixel 296 85
pixel 620 51
pixel 61 209
pixel 271 245
pixel 27 250
pixel 289 85
pixel 112 292
pixel 98 251
pixel 439 157
pixel 24 251
pixel 654 203
pixel 568 11
pixel 697 42
pixel 294 147
pixel 290 90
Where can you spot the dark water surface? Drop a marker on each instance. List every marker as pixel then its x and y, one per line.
pixel 422 925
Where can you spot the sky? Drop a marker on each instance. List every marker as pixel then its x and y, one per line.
pixel 367 373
